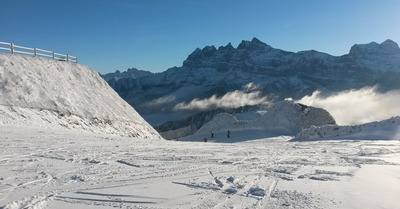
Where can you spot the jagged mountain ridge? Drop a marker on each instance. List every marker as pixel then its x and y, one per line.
pixel 130 73
pixel 278 73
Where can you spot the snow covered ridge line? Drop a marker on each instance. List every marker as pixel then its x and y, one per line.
pixel 16 49
pixel 383 130
pixel 62 113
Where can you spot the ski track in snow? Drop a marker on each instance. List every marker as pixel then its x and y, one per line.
pixel 60 169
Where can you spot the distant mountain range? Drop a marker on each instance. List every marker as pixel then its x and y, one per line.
pixel 253 70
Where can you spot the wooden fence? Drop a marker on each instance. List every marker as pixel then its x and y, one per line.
pixel 15 49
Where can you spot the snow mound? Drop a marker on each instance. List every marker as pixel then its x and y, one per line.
pixel 53 94
pixel 289 118
pixel 284 118
pixel 383 130
pixel 222 123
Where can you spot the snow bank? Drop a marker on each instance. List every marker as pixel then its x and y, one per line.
pixel 384 130
pixel 224 122
pixel 289 118
pixel 41 92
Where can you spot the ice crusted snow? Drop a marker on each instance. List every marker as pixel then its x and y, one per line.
pixel 38 92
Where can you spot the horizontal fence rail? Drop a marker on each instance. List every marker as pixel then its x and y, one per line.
pixel 15 49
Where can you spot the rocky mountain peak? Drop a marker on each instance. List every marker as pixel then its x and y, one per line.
pixel 373 48
pixel 228 47
pixel 389 44
pixel 130 73
pixel 227 53
pixel 209 49
pixel 254 44
pixel 194 54
pixel 200 54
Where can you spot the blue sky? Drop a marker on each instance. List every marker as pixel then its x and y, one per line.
pixel 155 35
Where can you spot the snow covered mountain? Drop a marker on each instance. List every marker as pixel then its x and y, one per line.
pixel 188 126
pixel 276 73
pixel 130 73
pixel 283 118
pixel 38 92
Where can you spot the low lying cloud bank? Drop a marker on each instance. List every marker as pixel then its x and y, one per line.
pixel 357 106
pixel 233 99
pixel 161 101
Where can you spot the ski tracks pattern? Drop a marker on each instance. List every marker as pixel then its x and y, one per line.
pixel 53 169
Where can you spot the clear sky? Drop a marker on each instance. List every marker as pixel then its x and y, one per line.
pixel 154 35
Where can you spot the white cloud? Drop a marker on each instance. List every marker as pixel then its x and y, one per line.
pixel 233 99
pixel 357 106
pixel 251 87
pixel 161 101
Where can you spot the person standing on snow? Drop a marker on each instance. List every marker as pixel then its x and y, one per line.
pixel 229 134
pixel 212 134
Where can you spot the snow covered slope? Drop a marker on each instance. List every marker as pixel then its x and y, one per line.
pixel 383 130
pixel 42 92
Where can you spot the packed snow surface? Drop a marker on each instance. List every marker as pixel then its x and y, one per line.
pixel 53 94
pixel 42 168
pixel 383 130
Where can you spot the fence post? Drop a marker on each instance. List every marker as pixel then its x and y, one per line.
pixel 35 53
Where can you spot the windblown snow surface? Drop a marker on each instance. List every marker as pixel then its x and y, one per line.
pixel 38 92
pixel 46 166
